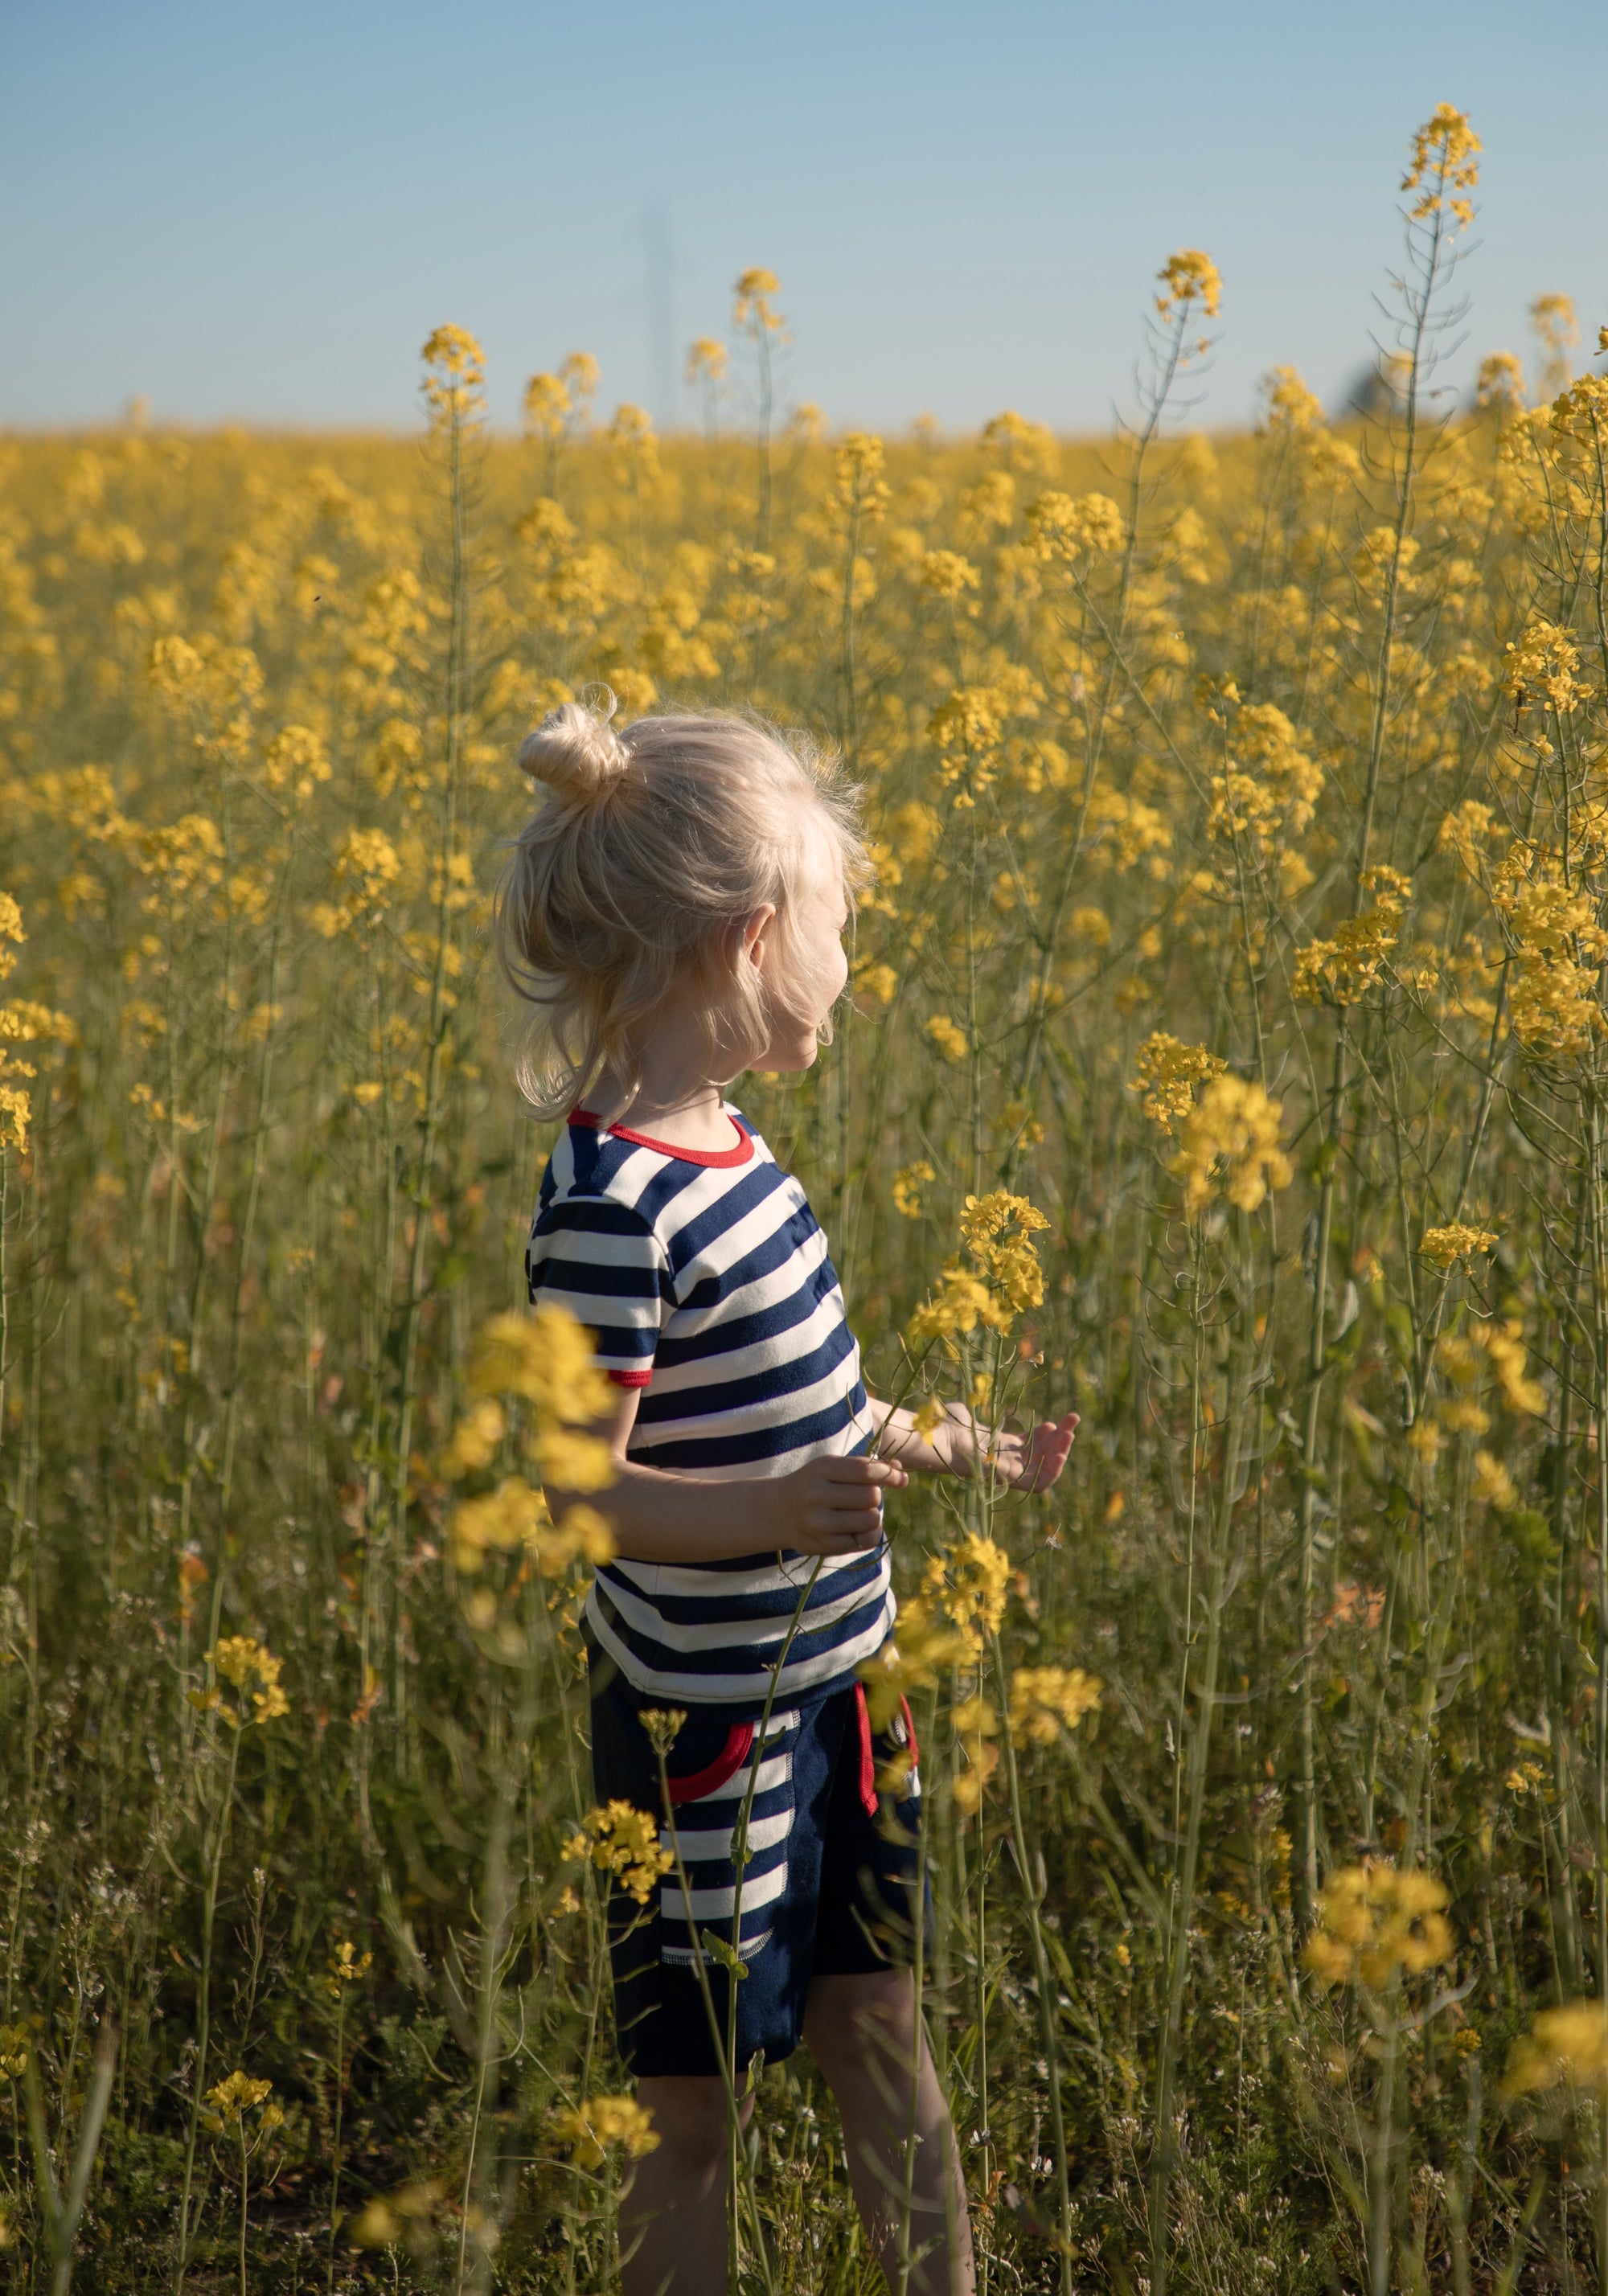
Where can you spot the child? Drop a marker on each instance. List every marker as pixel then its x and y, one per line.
pixel 675 914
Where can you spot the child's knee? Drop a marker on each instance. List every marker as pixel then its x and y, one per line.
pixel 858 2022
pixel 690 2120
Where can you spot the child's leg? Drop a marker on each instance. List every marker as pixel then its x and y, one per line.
pixel 672 2215
pixel 861 2031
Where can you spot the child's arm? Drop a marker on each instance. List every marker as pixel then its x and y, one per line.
pixel 831 1506
pixel 1027 1463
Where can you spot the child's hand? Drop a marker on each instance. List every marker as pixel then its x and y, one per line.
pixel 833 1506
pixel 1033 1461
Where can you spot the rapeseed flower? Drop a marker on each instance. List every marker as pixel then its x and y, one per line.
pixel 1446 159
pixel 1567 2044
pixel 1189 278
pixel 1374 1920
pixel 589 2129
pixel 622 1841
pixel 1230 1144
pixel 1446 1245
pixel 1048 1700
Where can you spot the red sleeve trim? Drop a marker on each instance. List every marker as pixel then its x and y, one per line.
pixel 630 1378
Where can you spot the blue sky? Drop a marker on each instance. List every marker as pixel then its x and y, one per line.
pixel 258 212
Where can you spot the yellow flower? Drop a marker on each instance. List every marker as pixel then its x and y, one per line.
pixel 1445 158
pixel 517 1516
pixel 623 1842
pixel 1231 1143
pixel 1047 1700
pixel 860 488
pixel 454 377
pixel 875 981
pixel 1425 1440
pixel 231 2099
pixel 1066 527
pixel 944 574
pixel 1500 382
pixel 1567 2044
pixel 752 307
pixel 1556 327
pixel 1004 1277
pixel 949 1040
pixel 571 1462
pixel 997 1230
pixel 1541 669
pixel 1187 278
pixel 924 1646
pixel 1503 1344
pixel 346 1966
pixel 1166 1072
pixel 1374 1920
pixel 705 360
pixel 968 1584
pixel 1341 970
pixel 590 2129
pixel 1492 1481
pixel 11 931
pixel 976 1725
pixel 476 1438
pixel 296 760
pixel 907 1182
pixel 1444 1245
pixel 546 1358
pixel 248 1666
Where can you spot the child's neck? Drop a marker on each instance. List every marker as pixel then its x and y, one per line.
pixel 672 1103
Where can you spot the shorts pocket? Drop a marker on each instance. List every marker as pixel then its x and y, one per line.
pixel 730 1794
pixel 692 1785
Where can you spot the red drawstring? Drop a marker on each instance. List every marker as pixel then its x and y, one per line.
pixel 862 1715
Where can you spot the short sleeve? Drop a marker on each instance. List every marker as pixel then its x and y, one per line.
pixel 604 1262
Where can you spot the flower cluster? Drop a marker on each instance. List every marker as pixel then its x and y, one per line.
pixel 1567 2044
pixel 534 1384
pixel 1230 1144
pixel 1048 1700
pixel 346 1967
pixel 1342 970
pixel 945 1625
pixel 1375 1919
pixel 1001 1277
pixel 21 1022
pixel 1457 1241
pixel 230 2101
pixel 1445 159
pixel 1189 278
pixel 252 1671
pixel 622 1841
pixel 589 2129
pixel 454 377
pixel 1166 1074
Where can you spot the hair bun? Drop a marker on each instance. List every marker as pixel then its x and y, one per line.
pixel 575 751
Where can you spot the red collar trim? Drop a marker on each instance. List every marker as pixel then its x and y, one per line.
pixel 740 1153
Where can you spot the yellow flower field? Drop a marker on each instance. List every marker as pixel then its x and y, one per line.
pixel 1225 1058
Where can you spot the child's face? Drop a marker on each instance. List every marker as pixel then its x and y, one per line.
pixel 802 997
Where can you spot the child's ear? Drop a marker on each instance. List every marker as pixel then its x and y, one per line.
pixel 755 926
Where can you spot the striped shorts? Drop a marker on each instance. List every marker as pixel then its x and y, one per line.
pixel 827 1888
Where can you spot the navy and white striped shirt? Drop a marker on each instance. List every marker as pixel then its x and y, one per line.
pixel 705 1278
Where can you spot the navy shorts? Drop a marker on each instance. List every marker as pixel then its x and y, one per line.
pixel 832 1823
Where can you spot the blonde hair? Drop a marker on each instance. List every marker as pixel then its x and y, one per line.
pixel 651 842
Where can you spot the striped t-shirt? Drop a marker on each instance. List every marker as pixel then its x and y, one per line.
pixel 705 1278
